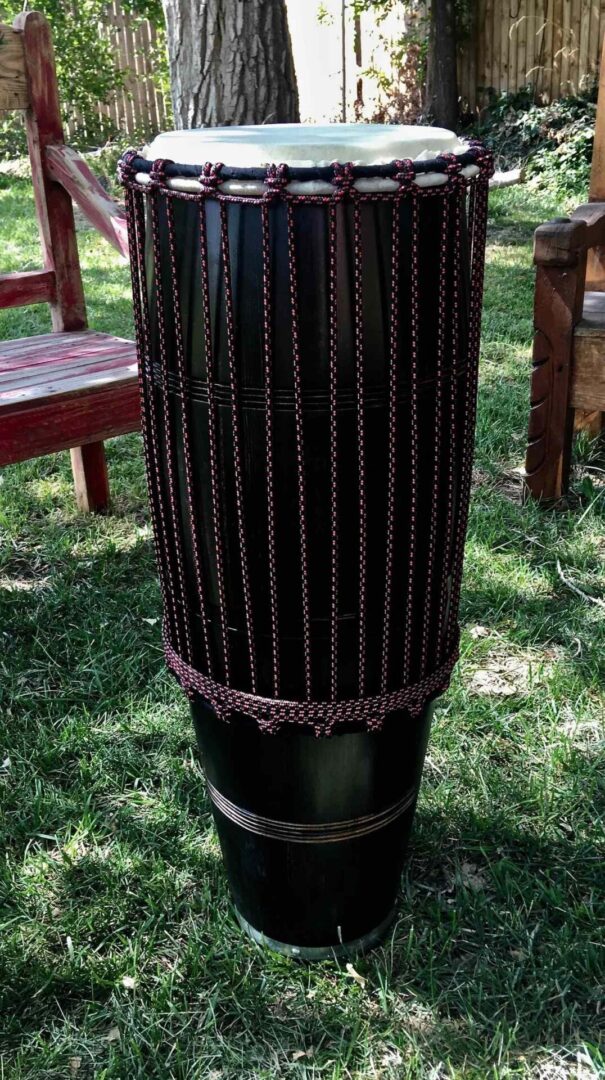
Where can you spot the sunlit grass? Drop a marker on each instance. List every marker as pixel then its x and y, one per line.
pixel 119 954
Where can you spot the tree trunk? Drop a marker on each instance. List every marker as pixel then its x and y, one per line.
pixel 230 62
pixel 442 79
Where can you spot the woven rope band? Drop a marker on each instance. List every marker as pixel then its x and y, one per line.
pixel 323 715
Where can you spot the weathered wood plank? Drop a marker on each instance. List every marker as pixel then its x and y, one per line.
pixel 107 216
pixel 556 48
pixel 584 36
pixel 65 381
pixel 505 47
pixel 565 49
pixel 32 350
pixel 29 385
pixel 530 48
pixel 62 423
pixel 27 287
pixel 521 45
pixel 557 308
pixel 38 368
pixel 53 204
pixel 597 171
pixel 587 389
pixel 13 81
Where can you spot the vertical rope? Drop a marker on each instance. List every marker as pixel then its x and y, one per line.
pixel 186 423
pixel 415 331
pixel 168 431
pixel 332 247
pixel 448 554
pixel 136 234
pixel 478 218
pixel 237 457
pixel 300 452
pixel 212 443
pixel 268 377
pixel 360 397
pixel 432 539
pixel 392 443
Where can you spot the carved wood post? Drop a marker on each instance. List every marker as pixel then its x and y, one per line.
pixel 560 258
pixel 57 227
pixel 53 204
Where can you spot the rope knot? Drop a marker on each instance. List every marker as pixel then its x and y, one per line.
pixel 210 176
pixel 405 175
pixel 157 176
pixel 453 169
pixel 126 170
pixel 276 178
pixel 343 180
pixel 483 157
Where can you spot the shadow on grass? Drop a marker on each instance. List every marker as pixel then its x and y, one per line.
pixel 505 955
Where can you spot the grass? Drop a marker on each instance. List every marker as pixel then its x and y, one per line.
pixel 119 955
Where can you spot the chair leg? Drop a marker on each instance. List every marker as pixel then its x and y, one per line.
pixel 89 468
pixel 557 308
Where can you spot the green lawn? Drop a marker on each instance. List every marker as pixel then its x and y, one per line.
pixel 119 954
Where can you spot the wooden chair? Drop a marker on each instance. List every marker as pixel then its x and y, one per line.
pixel 72 388
pixel 568 376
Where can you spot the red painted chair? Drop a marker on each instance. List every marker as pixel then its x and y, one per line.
pixel 73 388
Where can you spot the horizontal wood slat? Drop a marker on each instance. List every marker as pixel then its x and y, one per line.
pixel 68 421
pixel 13 81
pixel 63 390
pixel 26 353
pixel 27 287
pixel 53 366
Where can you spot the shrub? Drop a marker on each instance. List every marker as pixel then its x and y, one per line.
pixel 553 141
pixel 87 67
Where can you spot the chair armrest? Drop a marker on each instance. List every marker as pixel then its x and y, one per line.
pixel 593 216
pixel 560 242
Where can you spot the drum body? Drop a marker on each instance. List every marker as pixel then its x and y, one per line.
pixel 308 374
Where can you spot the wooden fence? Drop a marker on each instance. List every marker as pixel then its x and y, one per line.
pixel 139 108
pixel 553 45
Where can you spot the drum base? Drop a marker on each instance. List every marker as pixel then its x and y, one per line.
pixel 345 951
pixel 313 831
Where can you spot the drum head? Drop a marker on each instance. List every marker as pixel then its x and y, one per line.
pixel 304 145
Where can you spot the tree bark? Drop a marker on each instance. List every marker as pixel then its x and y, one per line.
pixel 442 78
pixel 230 62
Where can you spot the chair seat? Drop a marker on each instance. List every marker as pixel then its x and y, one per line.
pixel 63 390
pixel 588 368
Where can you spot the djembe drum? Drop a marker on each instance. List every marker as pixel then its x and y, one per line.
pixel 308 336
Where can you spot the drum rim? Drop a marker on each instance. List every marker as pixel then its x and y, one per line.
pixel 441 163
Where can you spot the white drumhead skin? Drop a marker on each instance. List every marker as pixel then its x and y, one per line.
pixel 304 145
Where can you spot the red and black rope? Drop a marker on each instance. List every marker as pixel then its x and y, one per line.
pixel 432 569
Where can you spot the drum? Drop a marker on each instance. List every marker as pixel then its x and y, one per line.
pixel 307 305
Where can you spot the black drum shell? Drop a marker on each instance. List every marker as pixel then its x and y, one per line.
pixel 313 895
pixel 345 329
pixel 313 318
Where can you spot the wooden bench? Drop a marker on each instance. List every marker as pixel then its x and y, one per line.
pixel 72 388
pixel 568 376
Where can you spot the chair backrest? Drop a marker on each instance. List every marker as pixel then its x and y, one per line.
pixel 597 171
pixel 28 82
